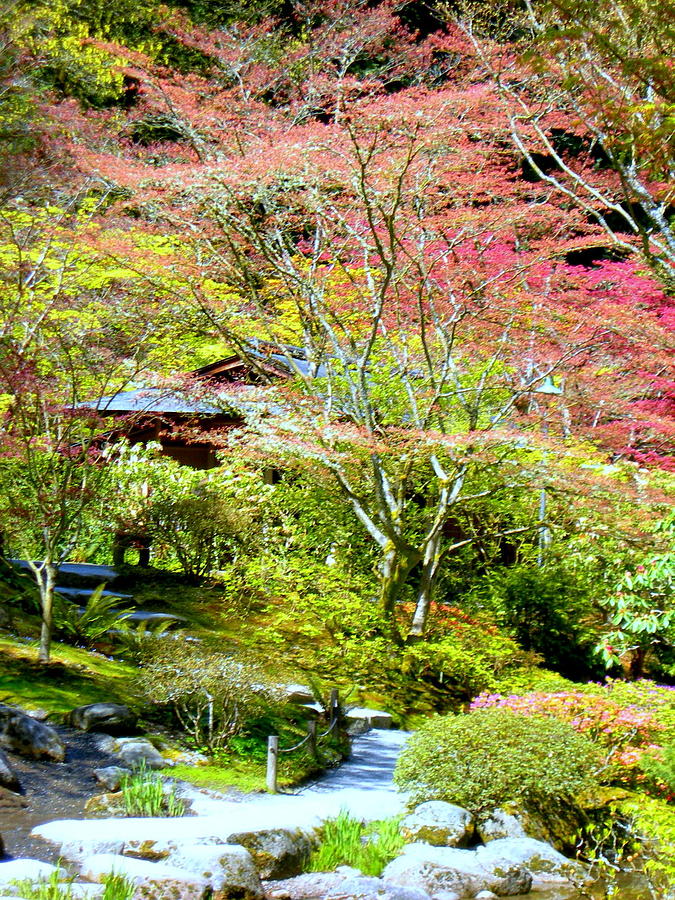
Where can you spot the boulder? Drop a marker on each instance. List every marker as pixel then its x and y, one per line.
pixel 375 718
pixel 154 881
pixel 111 718
pixel 8 777
pixel 556 825
pixel 277 853
pixel 367 888
pixel 154 850
pixel 78 851
pixel 298 693
pixel 500 824
pixel 440 824
pixel 447 869
pixel 305 887
pixel 544 863
pixel 26 736
pixel 111 776
pixel 27 870
pixel 102 806
pixel 228 869
pixel 139 751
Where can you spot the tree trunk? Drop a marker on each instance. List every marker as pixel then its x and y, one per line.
pixel 395 568
pixel 425 591
pixel 46 584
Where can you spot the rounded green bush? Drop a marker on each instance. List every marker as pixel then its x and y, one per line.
pixel 492 756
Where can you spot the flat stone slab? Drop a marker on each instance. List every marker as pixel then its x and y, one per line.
pixel 27 869
pixel 363 786
pixel 153 880
pixel 376 718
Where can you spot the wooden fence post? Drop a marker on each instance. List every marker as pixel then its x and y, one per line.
pixel 311 730
pixel 334 705
pixel 272 758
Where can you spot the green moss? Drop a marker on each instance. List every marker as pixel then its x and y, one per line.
pixel 74 678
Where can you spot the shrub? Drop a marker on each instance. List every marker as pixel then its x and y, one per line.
pixel 660 769
pixel 349 842
pixel 624 733
pixel 211 695
pixel 492 756
pixel 146 795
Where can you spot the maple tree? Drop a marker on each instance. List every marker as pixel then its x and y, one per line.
pixel 431 348
pixel 330 180
pixel 588 97
pixel 64 345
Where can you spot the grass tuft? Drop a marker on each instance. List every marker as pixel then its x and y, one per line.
pixel 116 887
pixel 349 842
pixel 146 795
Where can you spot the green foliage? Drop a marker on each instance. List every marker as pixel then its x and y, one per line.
pixel 548 611
pixel 661 768
pixel 653 824
pixel 490 757
pixel 145 794
pixel 116 887
pixel 346 841
pixel 641 610
pixel 211 695
pixel 85 628
pixel 197 520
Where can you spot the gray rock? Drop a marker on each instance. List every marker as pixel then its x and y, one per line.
pixel 544 863
pixel 26 736
pixel 78 851
pixel 439 869
pixel 111 718
pixel 8 777
pixel 375 718
pixel 368 888
pixel 153 880
pixel 298 693
pixel 102 806
pixel 277 853
pixel 439 824
pixel 105 743
pixel 305 887
pixel 111 776
pixel 500 824
pixel 486 895
pixel 152 849
pixel 27 869
pixel 139 751
pixel 228 869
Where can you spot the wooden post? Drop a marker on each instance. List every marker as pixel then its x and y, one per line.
pixel 311 730
pixel 272 757
pixel 334 705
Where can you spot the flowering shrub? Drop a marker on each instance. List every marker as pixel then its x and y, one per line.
pixel 625 733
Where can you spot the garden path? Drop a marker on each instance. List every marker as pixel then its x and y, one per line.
pixel 362 785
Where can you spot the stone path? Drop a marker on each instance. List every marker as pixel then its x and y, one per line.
pixel 362 785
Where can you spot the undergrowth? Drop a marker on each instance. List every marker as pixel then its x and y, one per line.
pixel 115 887
pixel 145 794
pixel 346 841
